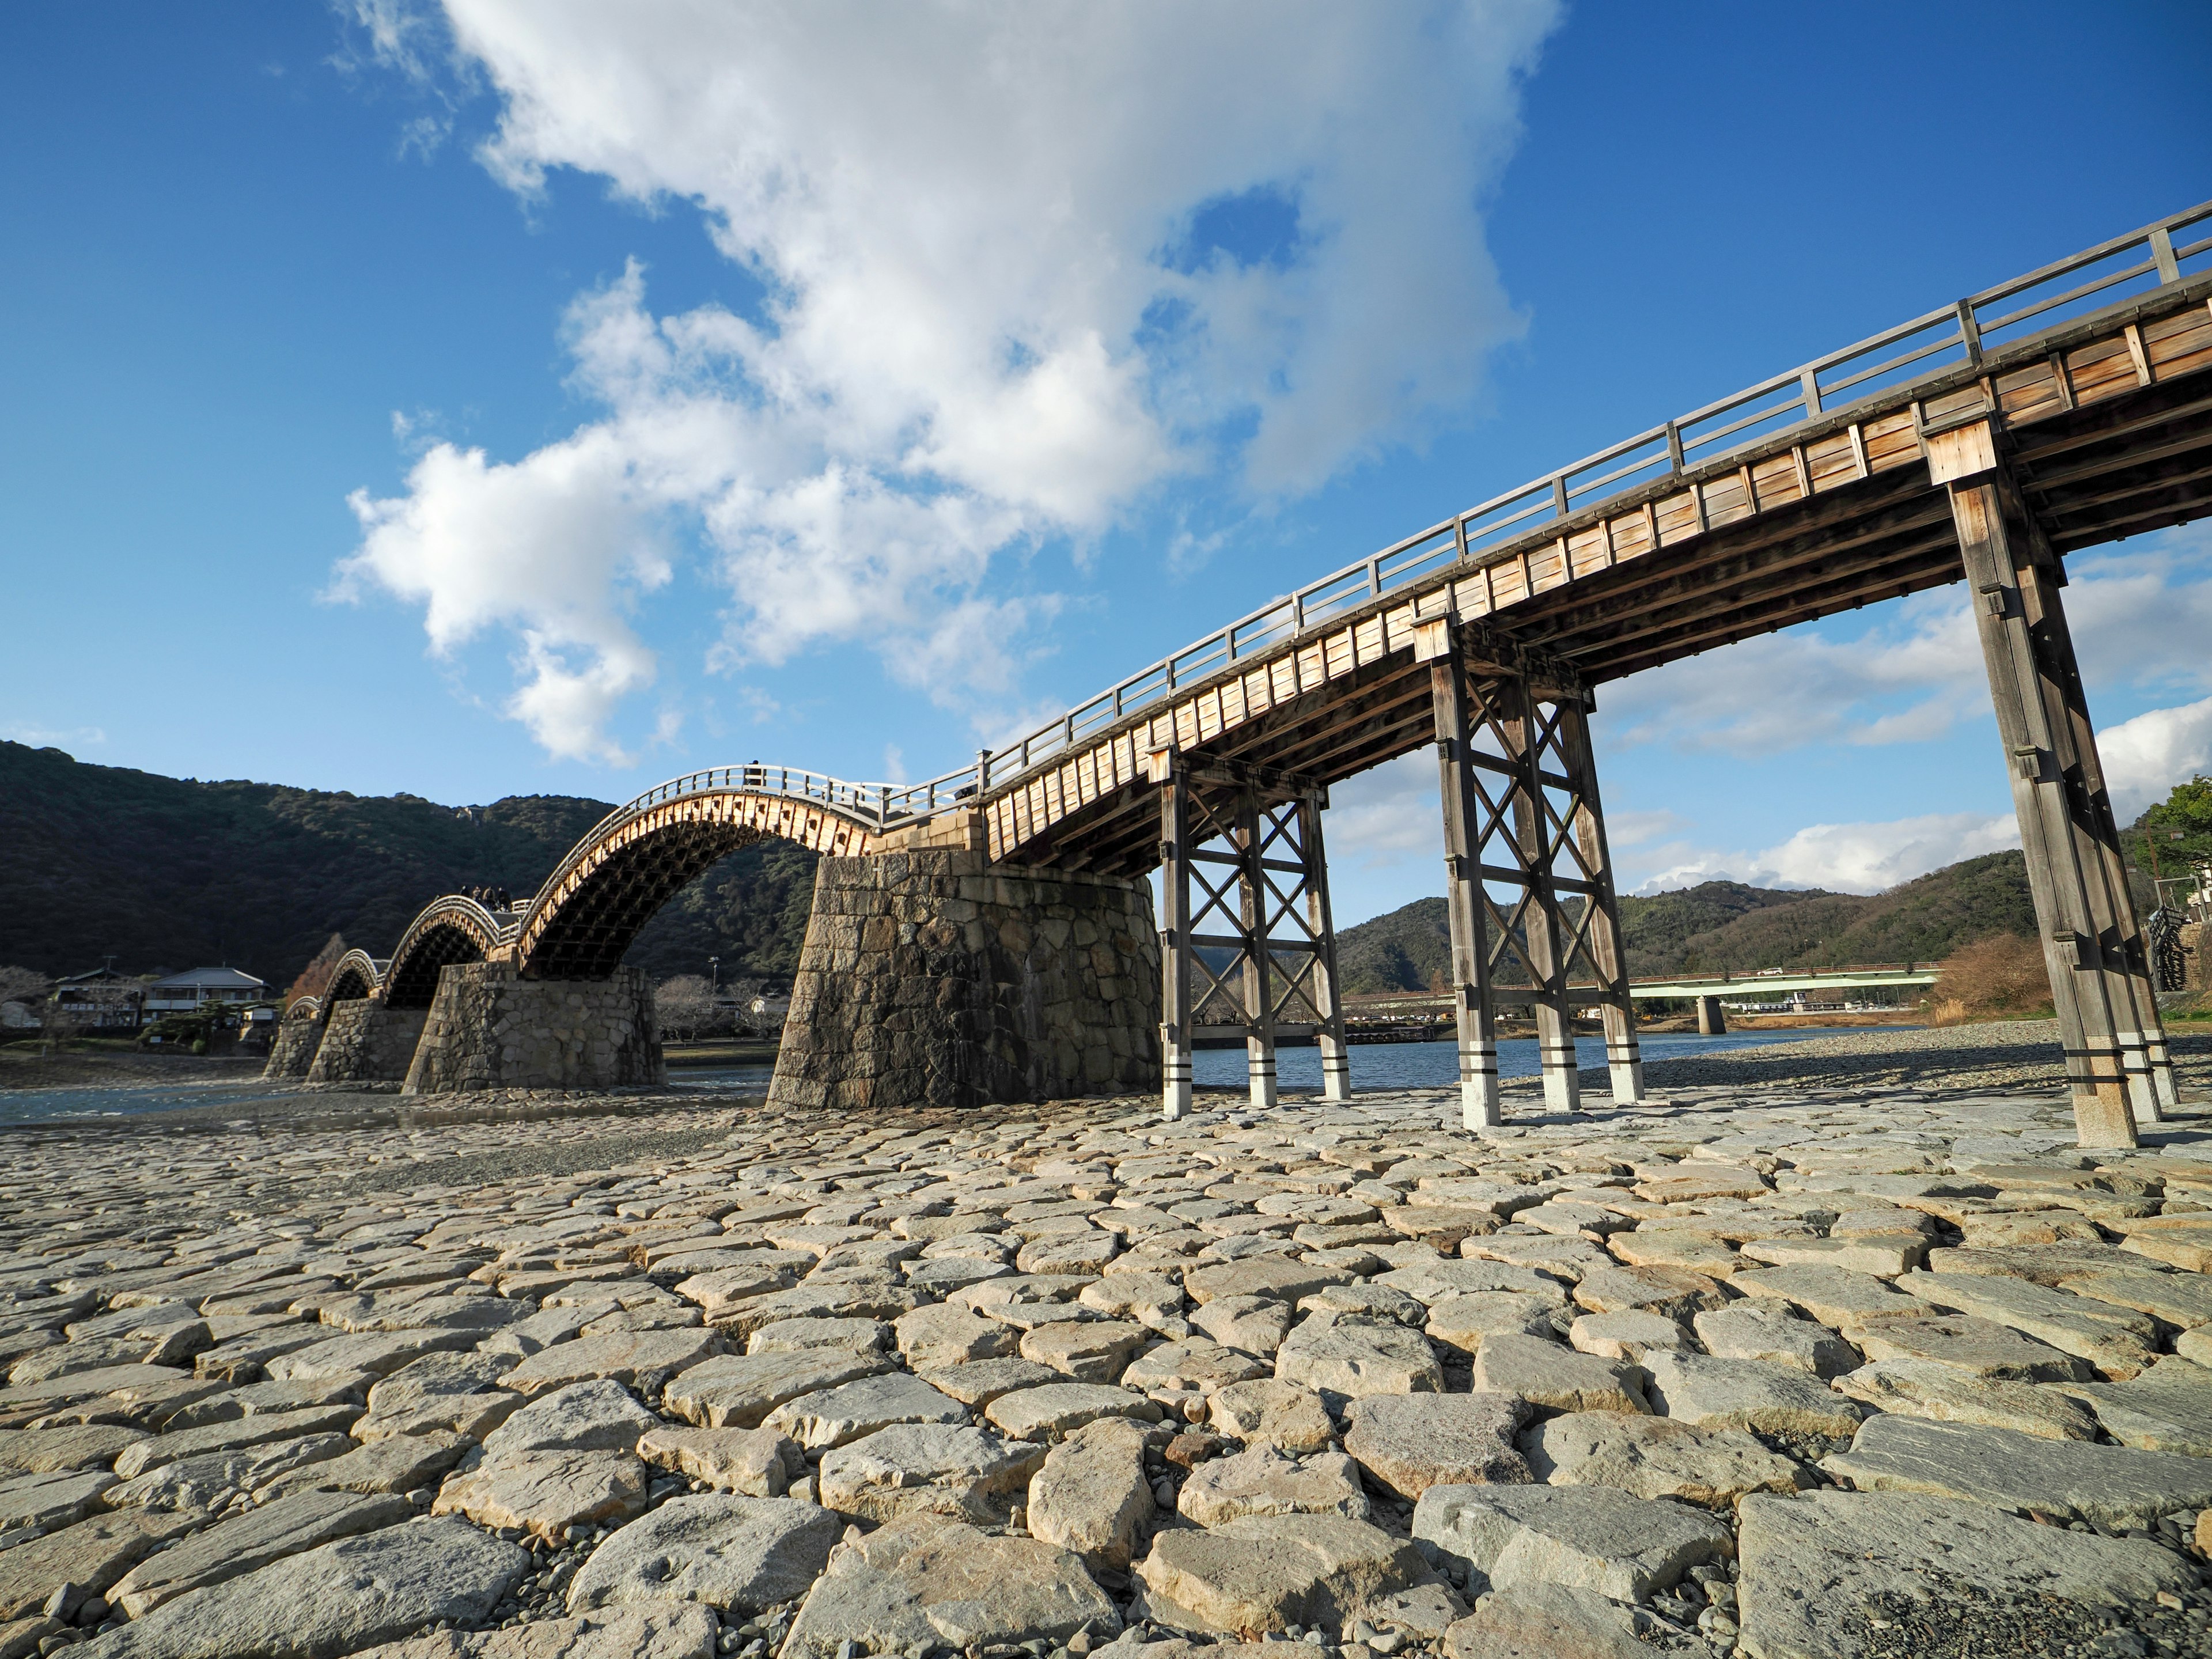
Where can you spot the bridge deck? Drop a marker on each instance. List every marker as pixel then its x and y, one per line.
pixel 2109 419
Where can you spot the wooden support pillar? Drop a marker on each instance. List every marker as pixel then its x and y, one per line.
pixel 1601 932
pixel 1335 1062
pixel 1259 962
pixel 1544 942
pixel 1175 935
pixel 2036 687
pixel 1473 1007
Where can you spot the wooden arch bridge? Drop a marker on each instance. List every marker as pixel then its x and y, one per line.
pixel 1980 442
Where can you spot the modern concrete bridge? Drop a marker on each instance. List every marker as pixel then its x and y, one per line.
pixel 1983 442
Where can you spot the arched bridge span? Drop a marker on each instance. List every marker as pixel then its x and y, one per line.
pixel 454 928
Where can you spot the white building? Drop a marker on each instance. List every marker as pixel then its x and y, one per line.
pixel 181 993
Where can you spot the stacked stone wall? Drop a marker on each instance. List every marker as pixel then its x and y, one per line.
pixel 293 1050
pixel 938 978
pixel 489 1028
pixel 366 1044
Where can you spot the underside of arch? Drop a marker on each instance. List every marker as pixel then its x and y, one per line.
pixel 413 979
pixel 611 897
pixel 356 976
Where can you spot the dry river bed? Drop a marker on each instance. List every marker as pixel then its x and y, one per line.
pixel 1811 1358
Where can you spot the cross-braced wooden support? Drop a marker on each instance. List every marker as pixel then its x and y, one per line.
pixel 1529 876
pixel 2117 1065
pixel 1245 882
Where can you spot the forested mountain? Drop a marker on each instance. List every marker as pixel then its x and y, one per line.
pixel 1720 925
pixel 167 873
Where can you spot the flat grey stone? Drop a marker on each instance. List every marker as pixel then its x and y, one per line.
pixel 52 1500
pixel 403 1464
pixel 923 1583
pixel 1747 1393
pixel 644 1359
pixel 1552 1374
pixel 758 1462
pixel 332 1600
pixel 1459 1324
pixel 1433 1281
pixel 664 1631
pixel 1265 1572
pixel 1252 1324
pixel 1921 1388
pixel 1658 1457
pixel 377 1353
pixel 253 1540
pixel 2118 1341
pixel 1041 1413
pixel 1628 1334
pixel 1092 1495
pixel 92 1553
pixel 1758 1328
pixel 942 1335
pixel 195 1482
pixel 835 1417
pixel 1592 1538
pixel 1547 1621
pixel 1263 1480
pixel 2167 1408
pixel 1194 1364
pixel 233 1434
pixel 1409 1443
pixel 2182 1299
pixel 1344 1361
pixel 1811 1565
pixel 1088 1350
pixel 547 1492
pixel 1978 1346
pixel 738 1391
pixel 1264 1411
pixel 1674 1292
pixel 599 1416
pixel 740 1554
pixel 61 1450
pixel 1834 1296
pixel 2070 1480
pixel 1275 1276
pixel 929 1469
pixel 980 1381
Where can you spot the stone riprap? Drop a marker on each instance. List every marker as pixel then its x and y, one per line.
pixel 687 1376
pixel 490 1028
pixel 292 1050
pixel 939 979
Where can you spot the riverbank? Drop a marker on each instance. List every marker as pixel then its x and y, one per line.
pixel 524 1375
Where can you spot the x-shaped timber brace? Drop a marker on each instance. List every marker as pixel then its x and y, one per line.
pixel 1529 876
pixel 1243 871
pixel 2117 1065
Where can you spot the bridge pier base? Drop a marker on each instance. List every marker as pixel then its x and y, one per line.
pixel 1269 905
pixel 486 1028
pixel 364 1042
pixel 1528 874
pixel 936 978
pixel 293 1050
pixel 1711 1022
pixel 2117 1064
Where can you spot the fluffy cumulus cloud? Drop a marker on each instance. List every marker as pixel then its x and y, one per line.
pixel 1021 267
pixel 1844 858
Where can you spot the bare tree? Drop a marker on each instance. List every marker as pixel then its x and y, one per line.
pixel 684 1005
pixel 24 985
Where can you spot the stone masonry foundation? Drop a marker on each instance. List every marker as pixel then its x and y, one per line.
pixel 366 1043
pixel 292 1051
pixel 939 979
pixel 489 1028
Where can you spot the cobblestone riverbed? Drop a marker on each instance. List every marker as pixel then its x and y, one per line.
pixel 1801 1360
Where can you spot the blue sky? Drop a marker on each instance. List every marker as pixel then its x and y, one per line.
pixel 530 398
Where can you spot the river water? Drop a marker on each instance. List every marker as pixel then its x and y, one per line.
pixel 1374 1066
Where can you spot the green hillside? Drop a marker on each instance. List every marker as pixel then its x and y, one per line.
pixel 1725 925
pixel 167 873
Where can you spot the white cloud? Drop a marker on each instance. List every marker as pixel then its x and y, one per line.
pixel 1388 815
pixel 1845 858
pixel 2140 615
pixel 1001 308
pixel 2145 756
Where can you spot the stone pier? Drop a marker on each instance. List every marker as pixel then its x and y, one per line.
pixel 939 979
pixel 1711 1021
pixel 490 1028
pixel 366 1042
pixel 292 1051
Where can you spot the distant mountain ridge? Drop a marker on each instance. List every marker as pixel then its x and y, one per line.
pixel 1719 925
pixel 173 873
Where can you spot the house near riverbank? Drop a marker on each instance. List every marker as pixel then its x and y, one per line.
pixel 186 993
